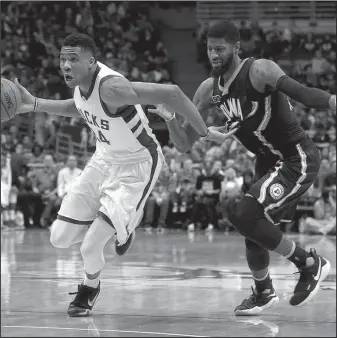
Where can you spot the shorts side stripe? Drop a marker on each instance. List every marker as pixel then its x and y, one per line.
pixel 72 220
pixel 297 186
pixel 266 183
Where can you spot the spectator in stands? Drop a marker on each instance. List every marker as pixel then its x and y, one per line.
pixel 319 64
pixel 324 220
pixel 208 188
pixel 186 180
pixel 228 201
pixel 160 198
pixel 12 137
pixel 28 201
pixel 8 193
pixel 64 178
pixel 248 179
pixel 37 154
pixel 45 184
pixel 17 161
pixel 26 144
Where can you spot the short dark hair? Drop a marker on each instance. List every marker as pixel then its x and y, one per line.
pixel 80 40
pixel 224 29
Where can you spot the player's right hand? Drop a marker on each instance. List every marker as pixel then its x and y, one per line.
pixel 162 112
pixel 28 100
pixel 220 134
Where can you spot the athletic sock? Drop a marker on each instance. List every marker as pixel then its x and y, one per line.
pixel 294 253
pixel 91 280
pixel 263 283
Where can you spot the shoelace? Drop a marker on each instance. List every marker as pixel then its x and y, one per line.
pixel 252 296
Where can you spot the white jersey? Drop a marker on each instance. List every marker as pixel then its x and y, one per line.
pixel 124 137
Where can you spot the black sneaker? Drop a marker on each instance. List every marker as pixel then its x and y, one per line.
pixel 84 301
pixel 257 302
pixel 310 279
pixel 125 248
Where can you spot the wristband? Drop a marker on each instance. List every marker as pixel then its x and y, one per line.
pixel 35 104
pixel 332 102
pixel 171 118
pixel 206 135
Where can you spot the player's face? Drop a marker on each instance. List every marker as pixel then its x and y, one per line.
pixel 75 64
pixel 220 54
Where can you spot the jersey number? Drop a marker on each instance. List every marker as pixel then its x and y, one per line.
pixel 101 137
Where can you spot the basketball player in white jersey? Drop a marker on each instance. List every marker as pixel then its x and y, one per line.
pixel 108 198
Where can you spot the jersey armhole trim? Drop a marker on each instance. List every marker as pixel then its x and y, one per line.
pixel 104 106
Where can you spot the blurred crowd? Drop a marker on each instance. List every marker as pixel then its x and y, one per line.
pixel 126 39
pixel 197 190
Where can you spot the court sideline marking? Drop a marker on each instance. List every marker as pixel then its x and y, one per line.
pixel 103 330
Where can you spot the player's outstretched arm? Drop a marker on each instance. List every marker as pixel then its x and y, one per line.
pixel 117 91
pixel 184 136
pixel 57 107
pixel 266 75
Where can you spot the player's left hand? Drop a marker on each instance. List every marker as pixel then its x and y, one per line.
pixel 28 99
pixel 220 134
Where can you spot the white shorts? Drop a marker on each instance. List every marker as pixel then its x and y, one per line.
pixel 116 192
pixel 5 191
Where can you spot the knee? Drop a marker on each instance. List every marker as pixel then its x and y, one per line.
pixel 245 213
pixel 253 246
pixel 59 238
pixel 87 248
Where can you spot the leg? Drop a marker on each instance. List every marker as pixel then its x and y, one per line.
pixel 264 295
pixel 46 215
pixel 124 195
pixel 164 207
pixel 99 233
pixel 64 234
pixel 23 202
pixel 210 208
pixel 149 211
pixel 38 208
pixel 13 196
pixel 256 214
pixel 195 214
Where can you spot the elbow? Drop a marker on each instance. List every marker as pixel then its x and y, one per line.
pixel 183 148
pixel 174 93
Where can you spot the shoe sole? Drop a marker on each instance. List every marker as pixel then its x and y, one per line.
pixel 257 309
pixel 324 273
pixel 132 239
pixel 86 313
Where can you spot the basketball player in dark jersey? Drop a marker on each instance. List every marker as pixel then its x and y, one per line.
pixel 252 96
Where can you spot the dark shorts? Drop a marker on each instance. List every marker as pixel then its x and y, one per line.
pixel 279 186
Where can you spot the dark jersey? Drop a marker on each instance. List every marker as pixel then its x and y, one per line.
pixel 269 124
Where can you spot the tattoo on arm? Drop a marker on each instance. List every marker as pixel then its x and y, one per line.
pixel 264 75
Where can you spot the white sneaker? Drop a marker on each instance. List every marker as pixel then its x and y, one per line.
pixel 210 227
pixel 191 227
pixel 19 221
pixel 183 207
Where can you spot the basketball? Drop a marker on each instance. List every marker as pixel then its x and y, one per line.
pixel 10 99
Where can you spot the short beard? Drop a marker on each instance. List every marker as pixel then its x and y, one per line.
pixel 224 68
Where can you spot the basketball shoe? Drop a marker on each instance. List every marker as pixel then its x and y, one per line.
pixel 126 247
pixel 310 279
pixel 84 301
pixel 257 302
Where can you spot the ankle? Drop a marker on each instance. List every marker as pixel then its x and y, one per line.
pixel 263 285
pixel 92 280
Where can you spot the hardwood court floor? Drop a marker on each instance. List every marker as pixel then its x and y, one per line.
pixel 168 285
